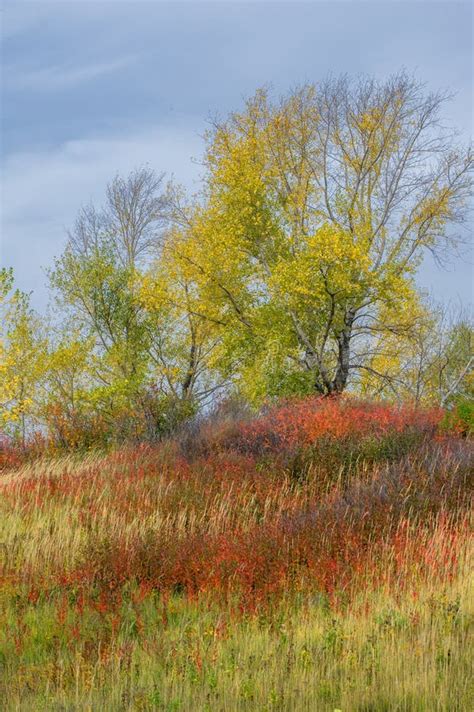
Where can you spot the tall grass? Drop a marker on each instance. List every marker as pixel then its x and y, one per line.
pixel 317 558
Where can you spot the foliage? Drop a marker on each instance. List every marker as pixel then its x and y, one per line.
pixel 291 273
pixel 315 216
pixel 142 368
pixel 183 354
pixel 153 581
pixel 240 551
pixel 461 416
pixel 22 358
pixel 430 362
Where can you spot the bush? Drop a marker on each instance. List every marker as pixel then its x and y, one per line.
pixel 459 418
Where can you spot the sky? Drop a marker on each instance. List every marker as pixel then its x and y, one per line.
pixel 92 89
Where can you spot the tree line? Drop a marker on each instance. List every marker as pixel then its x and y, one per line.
pixel 292 271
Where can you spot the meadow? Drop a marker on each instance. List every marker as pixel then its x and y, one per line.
pixel 317 557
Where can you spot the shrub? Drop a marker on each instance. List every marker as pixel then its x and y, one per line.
pixel 461 417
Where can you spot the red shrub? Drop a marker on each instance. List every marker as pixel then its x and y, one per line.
pixel 240 526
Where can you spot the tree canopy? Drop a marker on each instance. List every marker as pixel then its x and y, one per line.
pixel 292 271
pixel 316 211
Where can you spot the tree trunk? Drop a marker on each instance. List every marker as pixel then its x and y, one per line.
pixel 344 352
pixel 188 381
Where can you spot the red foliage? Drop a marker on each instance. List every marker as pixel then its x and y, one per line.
pixel 276 535
pixel 302 422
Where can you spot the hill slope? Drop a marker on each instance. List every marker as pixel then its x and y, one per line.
pixel 315 558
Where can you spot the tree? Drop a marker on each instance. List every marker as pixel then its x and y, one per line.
pixel 183 345
pixel 66 399
pixel 22 359
pixel 429 363
pixel 131 222
pixel 317 210
pixel 146 363
pixel 455 372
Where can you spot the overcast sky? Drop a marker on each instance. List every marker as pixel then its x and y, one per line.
pixel 90 89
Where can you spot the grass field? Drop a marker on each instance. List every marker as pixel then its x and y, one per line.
pixel 316 558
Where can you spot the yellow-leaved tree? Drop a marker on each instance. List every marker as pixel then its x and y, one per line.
pixel 316 211
pixel 22 359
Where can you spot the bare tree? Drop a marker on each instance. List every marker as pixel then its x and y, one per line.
pixel 132 221
pixel 137 211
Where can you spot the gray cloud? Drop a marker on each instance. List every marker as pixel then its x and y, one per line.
pixel 144 75
pixel 62 76
pixel 43 190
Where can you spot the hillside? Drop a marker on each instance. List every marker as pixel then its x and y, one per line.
pixel 318 557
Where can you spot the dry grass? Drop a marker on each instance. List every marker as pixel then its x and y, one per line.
pixel 241 577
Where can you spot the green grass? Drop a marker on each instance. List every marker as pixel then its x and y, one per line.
pixel 380 653
pixel 142 580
